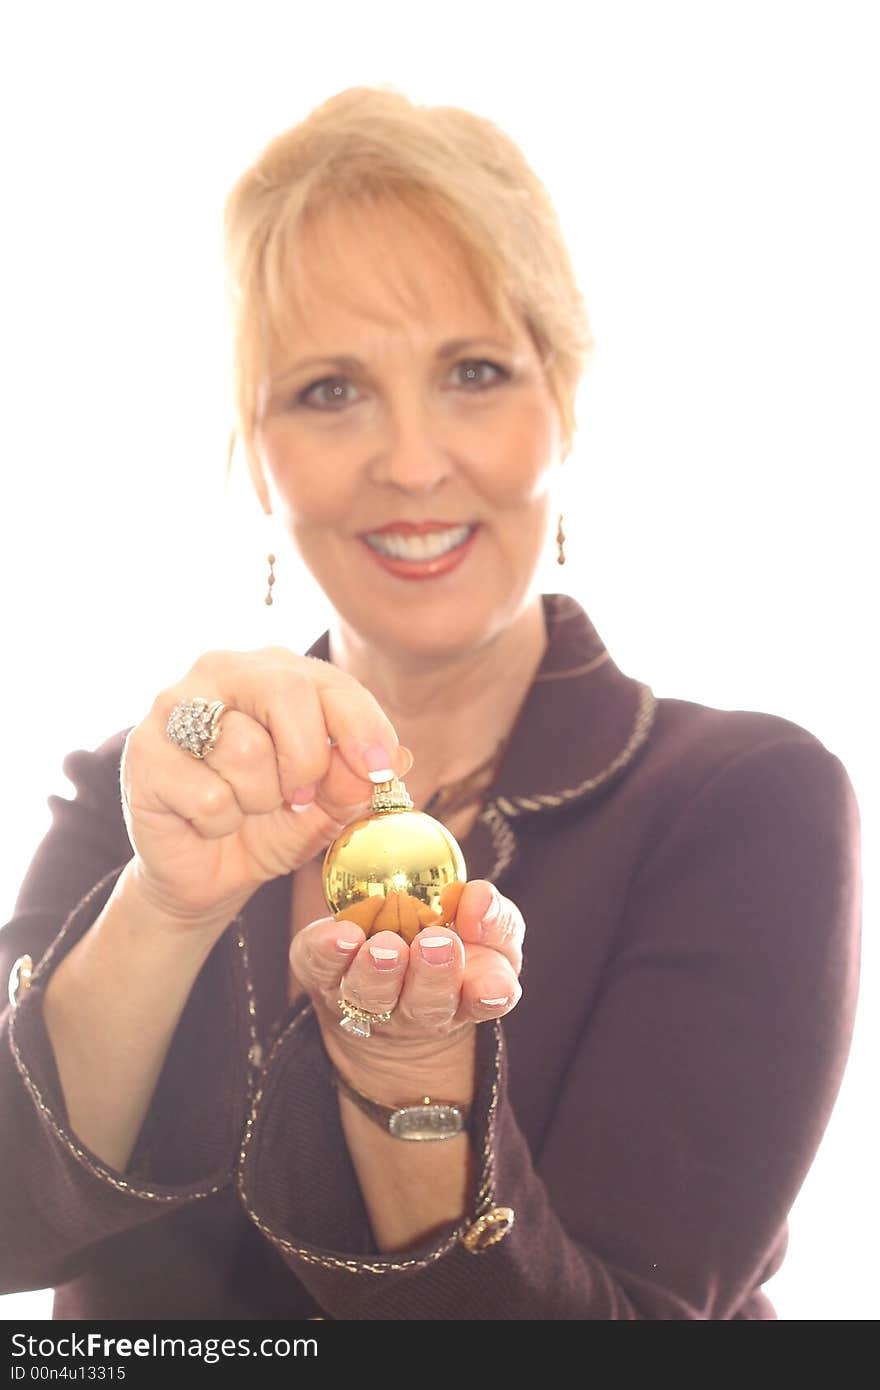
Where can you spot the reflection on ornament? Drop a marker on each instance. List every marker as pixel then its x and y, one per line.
pixel 395 869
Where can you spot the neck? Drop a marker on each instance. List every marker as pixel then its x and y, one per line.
pixel 452 712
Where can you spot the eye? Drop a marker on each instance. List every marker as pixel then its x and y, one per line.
pixel 337 382
pixel 312 398
pixel 473 366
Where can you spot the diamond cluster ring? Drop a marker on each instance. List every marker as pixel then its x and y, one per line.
pixel 194 725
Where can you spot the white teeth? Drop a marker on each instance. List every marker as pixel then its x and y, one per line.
pixel 429 547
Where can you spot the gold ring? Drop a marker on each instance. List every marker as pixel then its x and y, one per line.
pixel 359 1022
pixel 194 725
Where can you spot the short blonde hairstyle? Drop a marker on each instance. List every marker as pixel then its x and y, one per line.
pixel 374 146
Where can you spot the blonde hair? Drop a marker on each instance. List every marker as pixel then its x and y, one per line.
pixel 373 146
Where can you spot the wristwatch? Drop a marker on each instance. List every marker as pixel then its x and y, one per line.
pixel 423 1120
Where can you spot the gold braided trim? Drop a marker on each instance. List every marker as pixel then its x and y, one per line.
pixel 255 1051
pixel 503 840
pixel 486 1190
pixel 354 1266
pixel 92 1166
pixel 54 946
pixel 645 716
pixel 575 670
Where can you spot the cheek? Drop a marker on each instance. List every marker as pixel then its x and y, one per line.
pixel 523 457
pixel 308 485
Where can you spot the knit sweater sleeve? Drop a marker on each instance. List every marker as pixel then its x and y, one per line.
pixel 57 1198
pixel 692 1108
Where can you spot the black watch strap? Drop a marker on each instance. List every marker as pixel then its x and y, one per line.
pixel 424 1119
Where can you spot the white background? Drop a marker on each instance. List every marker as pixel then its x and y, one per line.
pixel 715 168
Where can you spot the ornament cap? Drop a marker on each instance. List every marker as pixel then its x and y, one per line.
pixel 391 796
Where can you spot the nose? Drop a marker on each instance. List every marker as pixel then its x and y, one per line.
pixel 412 458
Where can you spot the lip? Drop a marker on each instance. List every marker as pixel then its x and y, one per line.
pixel 423 569
pixel 415 528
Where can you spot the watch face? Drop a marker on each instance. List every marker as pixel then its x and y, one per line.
pixel 426 1122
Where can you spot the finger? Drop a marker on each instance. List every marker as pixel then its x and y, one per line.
pixel 281 693
pixel 282 686
pixel 320 806
pixel 431 992
pixel 321 952
pixel 364 736
pixel 244 732
pixel 154 781
pixel 404 768
pixel 485 917
pixel 245 758
pixel 275 692
pixel 490 988
pixel 344 796
pixel 373 979
pixel 286 693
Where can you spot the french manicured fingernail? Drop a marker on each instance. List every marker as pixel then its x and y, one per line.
pixel 492 910
pixel 496 1003
pixel 345 944
pixel 304 797
pixel 384 957
pixel 436 950
pixel 377 761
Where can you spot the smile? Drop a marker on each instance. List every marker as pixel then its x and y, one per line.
pixel 430 547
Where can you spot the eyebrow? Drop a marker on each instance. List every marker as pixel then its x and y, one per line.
pixel 353 364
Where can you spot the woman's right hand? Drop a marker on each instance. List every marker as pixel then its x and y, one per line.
pixel 207 832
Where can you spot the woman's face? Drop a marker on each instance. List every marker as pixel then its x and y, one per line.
pixel 418 431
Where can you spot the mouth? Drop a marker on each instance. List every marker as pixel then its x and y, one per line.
pixel 397 545
pixel 425 556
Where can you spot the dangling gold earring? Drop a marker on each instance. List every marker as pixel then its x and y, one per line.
pixel 271 559
pixel 560 541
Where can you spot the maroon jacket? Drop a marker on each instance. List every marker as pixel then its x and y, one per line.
pixel 690 879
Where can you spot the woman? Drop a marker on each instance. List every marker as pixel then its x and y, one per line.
pixel 628 1097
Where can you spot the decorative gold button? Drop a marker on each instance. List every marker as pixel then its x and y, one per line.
pixel 488 1229
pixel 20 978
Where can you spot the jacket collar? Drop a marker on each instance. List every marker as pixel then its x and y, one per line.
pixel 581 725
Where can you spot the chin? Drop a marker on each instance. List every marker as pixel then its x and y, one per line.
pixel 434 632
pixel 442 631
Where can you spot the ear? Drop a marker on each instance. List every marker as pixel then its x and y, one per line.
pixel 257 475
pixel 561 482
pixel 259 481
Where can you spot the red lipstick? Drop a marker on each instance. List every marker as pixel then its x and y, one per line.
pixel 414 528
pixel 422 569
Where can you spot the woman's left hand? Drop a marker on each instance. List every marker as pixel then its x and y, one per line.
pixel 437 989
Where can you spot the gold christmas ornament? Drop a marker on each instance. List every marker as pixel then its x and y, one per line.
pixel 394 869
